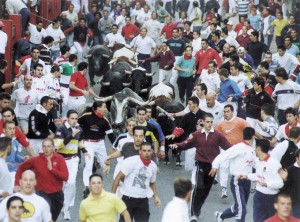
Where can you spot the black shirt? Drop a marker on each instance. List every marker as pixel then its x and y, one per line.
pixel 2 81
pixel 95 128
pixel 256 49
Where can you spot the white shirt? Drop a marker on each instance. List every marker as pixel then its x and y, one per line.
pixel 37 208
pixel 27 63
pixel 282 135
pixel 287 61
pixel 267 171
pixel 279 150
pixel 217 111
pixel 242 159
pixel 266 25
pixel 211 80
pixel 35 35
pixel 57 35
pixel 5 179
pixel 14 7
pixel 287 94
pixel 120 21
pixel 112 38
pixel 232 41
pixel 138 177
pixel 52 87
pixel 232 34
pixel 242 81
pixel 25 101
pixel 72 16
pixel 143 45
pixel 176 211
pixel 196 44
pixel 39 85
pixel 3 42
pixel 142 16
pixel 154 27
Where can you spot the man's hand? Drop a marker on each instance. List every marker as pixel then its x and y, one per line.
pixel 213 172
pixel 162 154
pixel 17 189
pixel 4 194
pixel 75 132
pixel 156 201
pixel 229 98
pixel 173 146
pixel 243 177
pixel 26 158
pixel 16 80
pixel 170 137
pixel 85 93
pixel 263 184
pixel 106 169
pixel 49 163
pixel 283 173
pixel 87 155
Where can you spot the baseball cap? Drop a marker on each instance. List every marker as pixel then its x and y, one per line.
pixel 229 22
pixel 241 49
pixel 1 24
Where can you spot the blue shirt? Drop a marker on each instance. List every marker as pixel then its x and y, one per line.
pixel 14 158
pixel 158 128
pixel 255 21
pixel 293 50
pixel 186 64
pixel 229 87
pixel 248 58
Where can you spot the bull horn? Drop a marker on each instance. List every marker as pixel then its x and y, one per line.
pixel 128 72
pixel 144 90
pixel 105 99
pixel 150 74
pixel 126 84
pixel 132 61
pixel 140 103
pixel 151 103
pixel 106 56
pixel 105 83
pixel 112 61
pixel 88 56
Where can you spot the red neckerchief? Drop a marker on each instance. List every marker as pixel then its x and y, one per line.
pixel 186 57
pixel 287 127
pixel 145 162
pixel 246 143
pixel 267 157
pixel 98 114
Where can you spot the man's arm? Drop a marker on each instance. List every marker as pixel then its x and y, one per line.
pixel 155 195
pixel 91 91
pixel 126 216
pixel 116 182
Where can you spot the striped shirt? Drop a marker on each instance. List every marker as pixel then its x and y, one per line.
pixel 243 7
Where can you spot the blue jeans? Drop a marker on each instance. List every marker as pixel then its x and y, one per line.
pixel 55 54
pixel 25 13
pixel 263 206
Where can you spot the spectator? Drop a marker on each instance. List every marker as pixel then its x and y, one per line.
pixel 113 37
pixel 3 36
pixel 105 24
pixel 211 78
pixel 267 34
pixel 255 19
pixel 129 31
pixel 161 12
pixel 231 32
pixel 196 43
pixel 217 43
pixel 284 59
pixel 45 53
pixel 120 20
pixel 65 24
pixel 154 26
pixel 3 84
pixel 196 17
pixel 228 39
pixel 168 28
pixel 274 7
pixel 243 8
pixel 292 25
pixel 15 209
pixel 93 25
pixel 23 46
pixel 143 16
pixel 245 56
pixel 64 57
pixel 255 48
pixel 290 48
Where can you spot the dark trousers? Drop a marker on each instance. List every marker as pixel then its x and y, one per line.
pixel 55 201
pixel 25 13
pixel 185 86
pixel 1 56
pixel 263 206
pixel 240 190
pixel 278 40
pixel 240 111
pixel 146 65
pixel 138 208
pixel 203 185
pixel 281 117
pixel 168 7
pixel 296 210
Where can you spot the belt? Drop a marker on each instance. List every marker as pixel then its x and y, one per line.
pixel 75 97
pixel 72 157
pixel 94 141
pixel 142 198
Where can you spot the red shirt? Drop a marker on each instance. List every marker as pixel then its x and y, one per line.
pixel 204 57
pixel 20 137
pixel 129 30
pixel 269 89
pixel 275 218
pixel 47 181
pixel 243 41
pixel 168 29
pixel 80 82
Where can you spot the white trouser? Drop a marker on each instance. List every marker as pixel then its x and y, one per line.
pixel 85 6
pixel 76 103
pixel 76 4
pixel 189 159
pixel 79 50
pixel 164 75
pixel 70 185
pixel 224 173
pixel 94 149
pixel 174 76
pixel 12 176
pixel 36 145
pixel 65 92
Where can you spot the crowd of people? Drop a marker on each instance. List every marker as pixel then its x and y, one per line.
pixel 241 121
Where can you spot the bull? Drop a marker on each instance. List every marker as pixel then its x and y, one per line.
pixel 116 79
pixel 122 106
pixel 141 81
pixel 98 59
pixel 122 53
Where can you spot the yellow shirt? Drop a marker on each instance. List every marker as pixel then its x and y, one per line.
pixel 279 25
pixel 101 209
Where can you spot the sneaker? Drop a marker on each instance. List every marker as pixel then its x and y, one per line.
pixel 67 215
pixel 86 192
pixel 218 216
pixel 194 219
pixel 224 192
